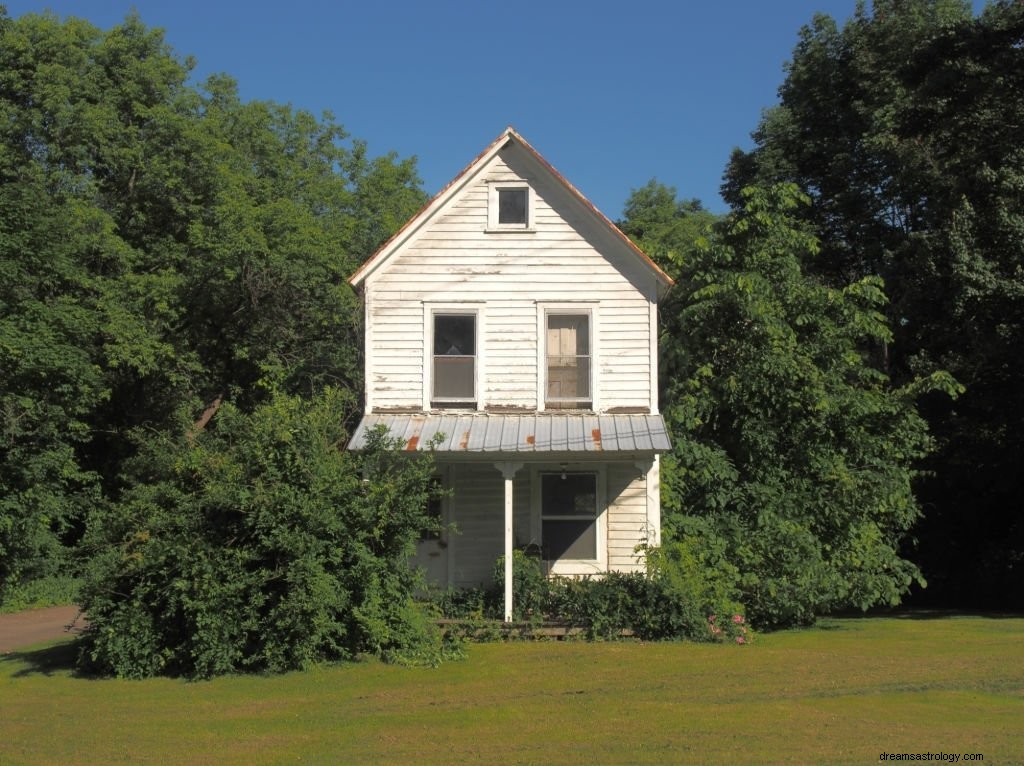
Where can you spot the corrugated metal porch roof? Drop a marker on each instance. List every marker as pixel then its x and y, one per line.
pixel 504 433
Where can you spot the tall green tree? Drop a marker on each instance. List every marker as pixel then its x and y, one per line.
pixel 904 128
pixel 162 245
pixel 666 228
pixel 792 455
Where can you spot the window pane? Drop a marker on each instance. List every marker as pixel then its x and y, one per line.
pixel 568 358
pixel 454 372
pixel 565 539
pixel 455 334
pixel 512 206
pixel 575 495
pixel 568 334
pixel 569 516
pixel 453 377
pixel 569 378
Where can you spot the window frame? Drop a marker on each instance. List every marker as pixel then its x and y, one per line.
pixel 463 308
pixel 572 566
pixel 493 193
pixel 544 310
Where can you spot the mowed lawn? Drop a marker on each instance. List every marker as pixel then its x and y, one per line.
pixel 843 692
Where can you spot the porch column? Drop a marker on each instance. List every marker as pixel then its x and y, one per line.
pixel 508 471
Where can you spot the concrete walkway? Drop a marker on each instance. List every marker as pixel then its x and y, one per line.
pixel 35 626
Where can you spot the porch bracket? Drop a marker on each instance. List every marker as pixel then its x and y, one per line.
pixel 644 466
pixel 508 471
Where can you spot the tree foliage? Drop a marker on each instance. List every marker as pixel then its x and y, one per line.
pixel 792 455
pixel 162 246
pixel 904 127
pixel 259 544
pixel 666 228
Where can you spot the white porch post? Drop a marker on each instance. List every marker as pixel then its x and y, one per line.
pixel 508 471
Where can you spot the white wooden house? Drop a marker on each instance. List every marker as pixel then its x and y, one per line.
pixel 515 320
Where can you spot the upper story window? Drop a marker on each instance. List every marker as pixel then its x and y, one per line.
pixel 454 359
pixel 510 207
pixel 568 355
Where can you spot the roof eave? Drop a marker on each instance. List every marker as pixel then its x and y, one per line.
pixel 663 277
pixel 437 201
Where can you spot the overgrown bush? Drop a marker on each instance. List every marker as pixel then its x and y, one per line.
pixel 530 593
pixel 687 592
pixel 259 544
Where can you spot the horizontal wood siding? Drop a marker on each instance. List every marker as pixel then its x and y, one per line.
pixel 627 516
pixel 478 514
pixel 566 258
pixel 395 363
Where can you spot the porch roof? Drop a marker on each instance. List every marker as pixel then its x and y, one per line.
pixel 518 433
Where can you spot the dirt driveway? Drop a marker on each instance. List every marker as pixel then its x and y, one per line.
pixel 38 625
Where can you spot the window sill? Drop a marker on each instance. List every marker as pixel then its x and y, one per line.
pixel 510 230
pixel 576 567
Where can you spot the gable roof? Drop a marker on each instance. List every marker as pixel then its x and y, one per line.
pixel 440 200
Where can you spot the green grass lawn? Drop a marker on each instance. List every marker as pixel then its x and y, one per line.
pixel 843 692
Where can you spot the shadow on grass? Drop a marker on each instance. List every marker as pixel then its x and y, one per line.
pixel 931 614
pixel 56 659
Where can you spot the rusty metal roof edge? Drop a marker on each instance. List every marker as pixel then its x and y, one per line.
pixel 504 434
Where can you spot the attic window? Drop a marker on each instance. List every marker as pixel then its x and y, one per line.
pixel 510 207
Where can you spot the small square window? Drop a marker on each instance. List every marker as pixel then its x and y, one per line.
pixel 512 207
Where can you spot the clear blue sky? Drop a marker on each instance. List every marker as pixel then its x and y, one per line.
pixel 611 93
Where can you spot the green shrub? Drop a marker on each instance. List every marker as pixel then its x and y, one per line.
pixel 46 591
pixel 529 588
pixel 463 603
pixel 687 592
pixel 260 544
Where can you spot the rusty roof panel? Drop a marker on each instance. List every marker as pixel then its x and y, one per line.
pixel 492 433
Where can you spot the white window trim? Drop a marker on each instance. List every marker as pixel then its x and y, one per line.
pixel 469 308
pixel 573 567
pixel 492 208
pixel 566 307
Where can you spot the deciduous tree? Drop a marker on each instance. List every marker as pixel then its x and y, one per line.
pixel 791 454
pixel 904 128
pixel 161 245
